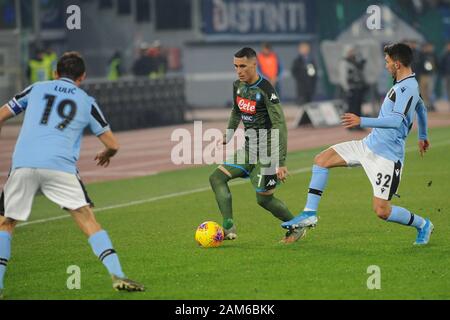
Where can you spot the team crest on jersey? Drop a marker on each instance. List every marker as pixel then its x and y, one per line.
pixel 258 96
pixel 246 106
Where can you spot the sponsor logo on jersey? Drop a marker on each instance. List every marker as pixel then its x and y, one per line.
pixel 246 106
pixel 403 89
pixel 247 118
pixel 383 190
pixel 397 172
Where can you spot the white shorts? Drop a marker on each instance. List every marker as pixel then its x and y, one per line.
pixel 384 174
pixel 62 188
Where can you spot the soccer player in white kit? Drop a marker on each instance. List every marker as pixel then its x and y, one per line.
pixel 45 157
pixel 382 152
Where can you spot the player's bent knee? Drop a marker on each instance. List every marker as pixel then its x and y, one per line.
pixel 263 198
pixel 86 220
pixel 320 160
pixel 90 228
pixel 218 177
pixel 266 193
pixel 225 171
pixel 324 159
pixel 7 224
pixel 383 212
pixel 329 159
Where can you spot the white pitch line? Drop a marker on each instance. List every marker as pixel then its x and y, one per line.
pixel 144 201
pixel 184 193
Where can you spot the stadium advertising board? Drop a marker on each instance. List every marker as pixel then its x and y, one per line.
pixel 243 19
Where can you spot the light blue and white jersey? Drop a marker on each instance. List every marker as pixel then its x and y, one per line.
pixel 57 112
pixel 395 120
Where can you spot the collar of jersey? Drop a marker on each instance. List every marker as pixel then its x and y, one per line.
pixel 67 80
pixel 256 83
pixel 408 77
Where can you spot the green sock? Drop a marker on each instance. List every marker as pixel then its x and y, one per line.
pixel 219 184
pixel 228 223
pixel 275 206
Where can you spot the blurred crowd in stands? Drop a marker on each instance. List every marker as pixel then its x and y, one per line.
pixel 152 62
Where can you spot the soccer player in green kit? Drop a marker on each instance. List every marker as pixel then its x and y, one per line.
pixel 257 104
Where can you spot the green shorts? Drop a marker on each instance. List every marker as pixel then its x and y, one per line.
pixel 262 178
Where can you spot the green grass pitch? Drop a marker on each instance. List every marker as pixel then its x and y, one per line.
pixel 155 239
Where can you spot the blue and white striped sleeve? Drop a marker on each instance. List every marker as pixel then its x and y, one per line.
pixel 19 103
pixel 97 122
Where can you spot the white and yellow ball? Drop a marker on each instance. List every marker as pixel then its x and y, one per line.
pixel 209 235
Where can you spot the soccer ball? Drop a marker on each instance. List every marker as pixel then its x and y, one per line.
pixel 209 235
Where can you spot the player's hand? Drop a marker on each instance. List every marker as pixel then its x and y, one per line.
pixel 350 120
pixel 282 174
pixel 103 158
pixel 424 145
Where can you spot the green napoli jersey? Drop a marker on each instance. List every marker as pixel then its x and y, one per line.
pixel 258 107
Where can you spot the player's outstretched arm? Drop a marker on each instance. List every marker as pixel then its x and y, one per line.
pixel 403 99
pixel 393 121
pixel 422 120
pixel 5 114
pixel 350 120
pixel 111 144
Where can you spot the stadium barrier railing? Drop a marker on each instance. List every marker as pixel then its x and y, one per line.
pixel 136 103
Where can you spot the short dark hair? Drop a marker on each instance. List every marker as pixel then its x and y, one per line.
pixel 400 52
pixel 71 65
pixel 246 52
